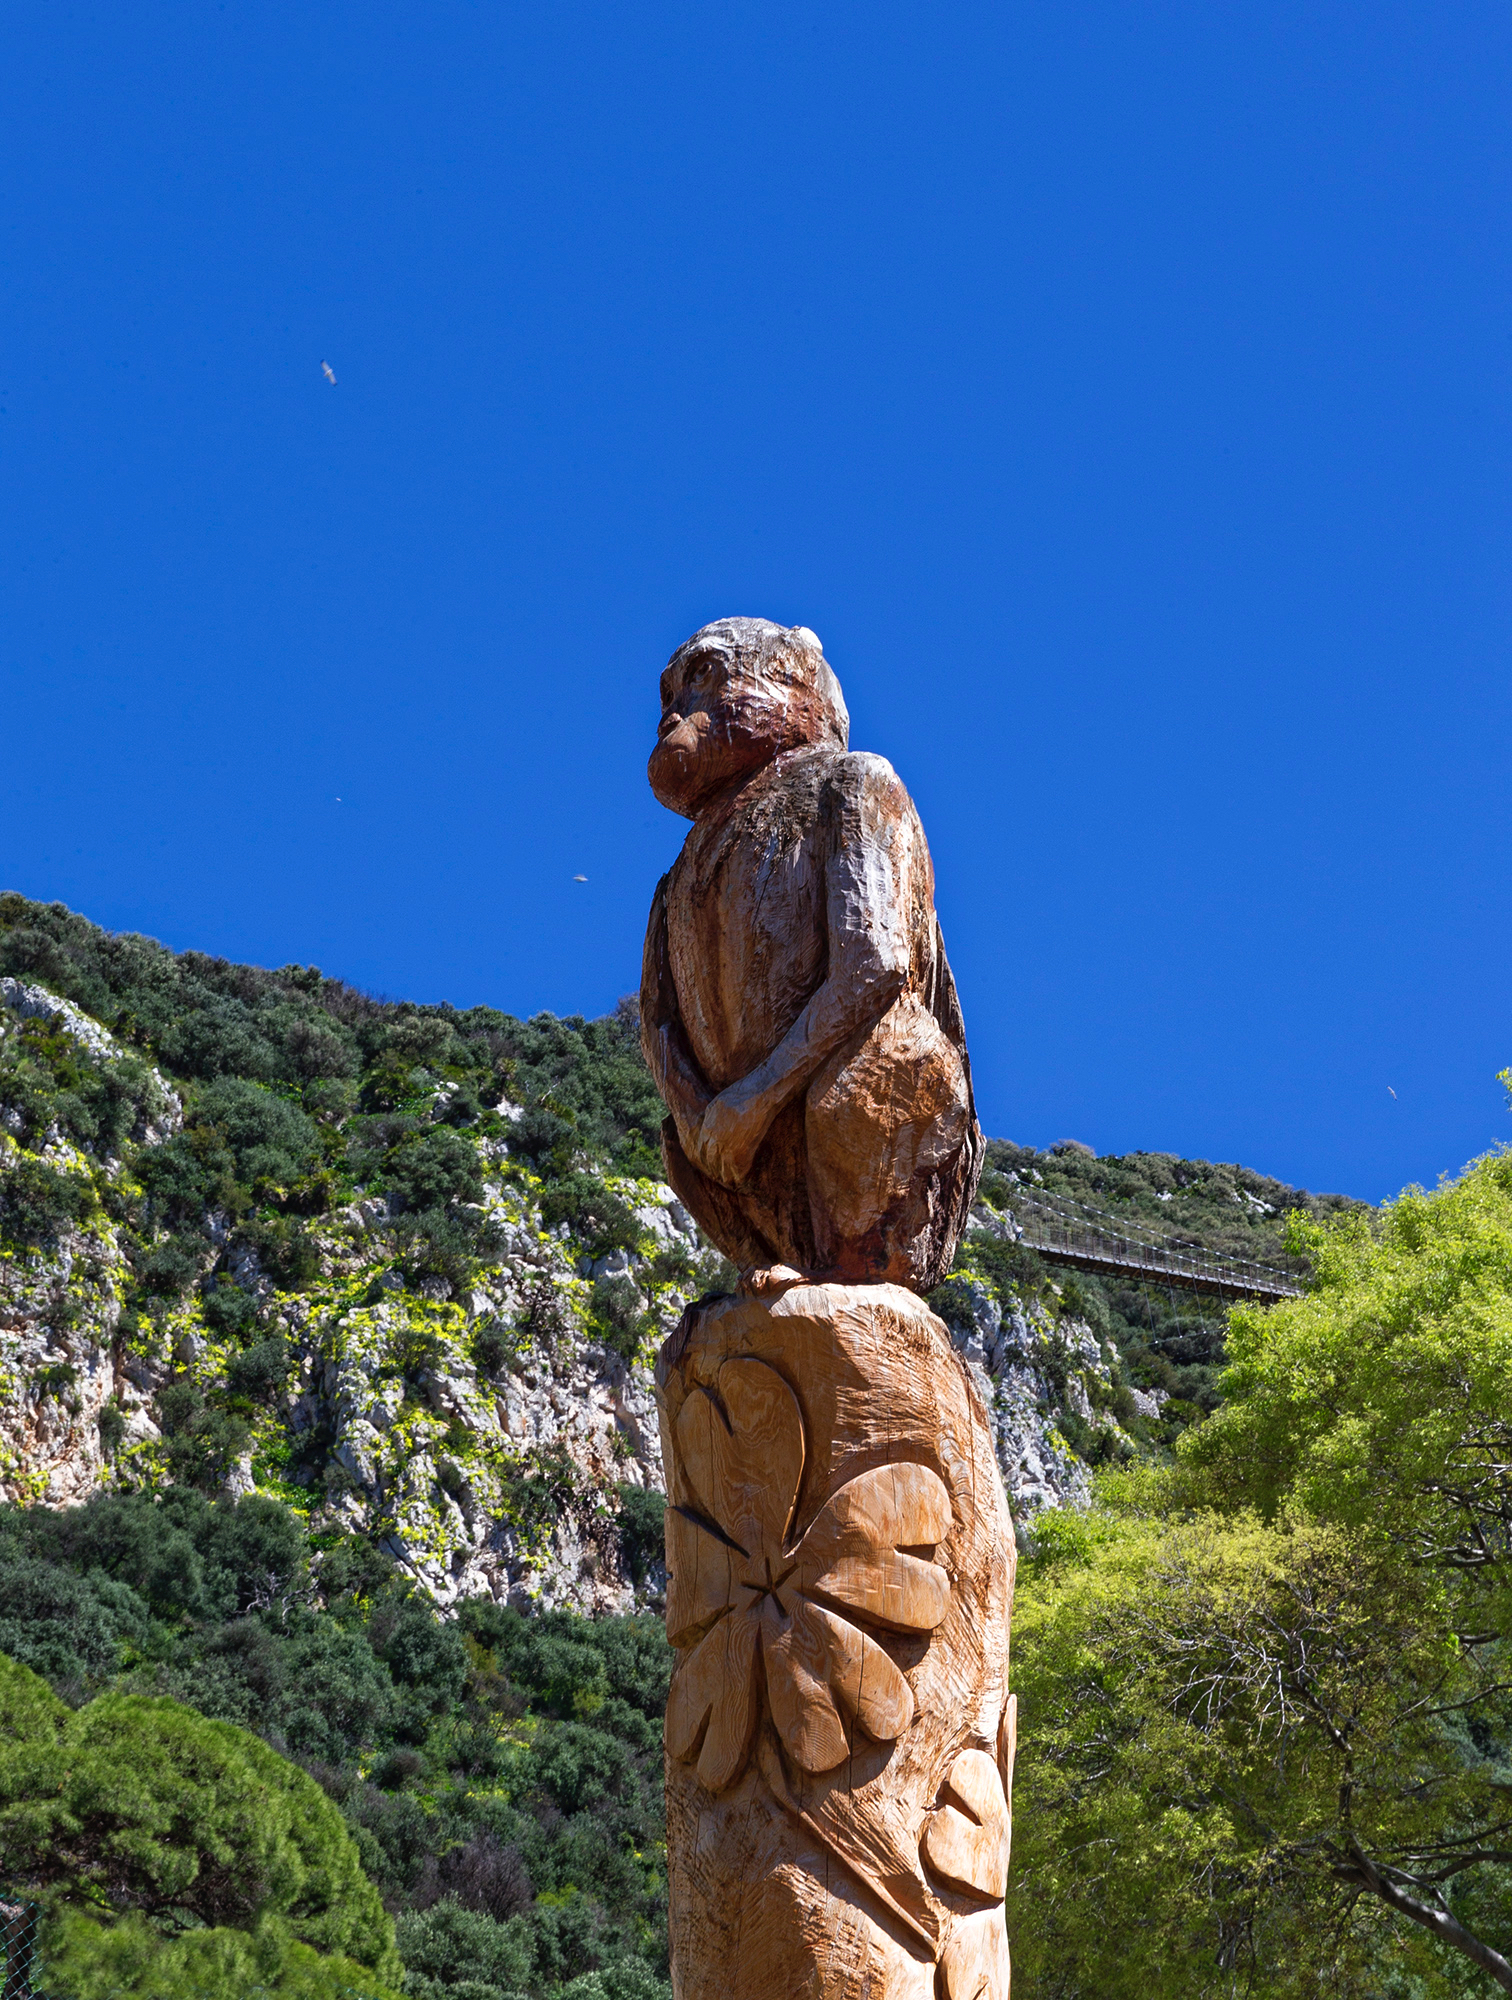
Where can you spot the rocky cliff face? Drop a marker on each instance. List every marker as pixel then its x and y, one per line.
pixel 486 1441
pixel 489 1418
pixel 60 1305
pixel 1030 1369
pixel 506 1476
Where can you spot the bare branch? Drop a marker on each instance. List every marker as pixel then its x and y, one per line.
pixel 1433 1918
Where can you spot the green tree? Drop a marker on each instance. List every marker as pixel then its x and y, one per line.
pixel 138 1804
pixel 130 1960
pixel 1233 1733
pixel 37 1203
pixel 446 1947
pixel 1268 1700
pixel 1383 1402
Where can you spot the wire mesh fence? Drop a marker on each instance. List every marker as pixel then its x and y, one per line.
pixel 20 1954
pixel 20 1922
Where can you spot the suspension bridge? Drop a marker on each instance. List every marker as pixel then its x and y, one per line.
pixel 1115 1246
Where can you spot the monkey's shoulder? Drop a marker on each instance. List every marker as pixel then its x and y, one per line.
pixel 864 796
pixel 826 777
pixel 810 802
pixel 858 773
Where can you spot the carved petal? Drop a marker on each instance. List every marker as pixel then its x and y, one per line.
pixel 868 1684
pixel 701 1576
pixel 744 1466
pixel 820 1670
pixel 852 1551
pixel 797 1677
pixel 969 1847
pixel 716 1683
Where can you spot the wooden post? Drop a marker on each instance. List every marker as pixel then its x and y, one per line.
pixel 839 1734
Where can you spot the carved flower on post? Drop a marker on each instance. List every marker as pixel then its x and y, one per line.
pixel 753 1611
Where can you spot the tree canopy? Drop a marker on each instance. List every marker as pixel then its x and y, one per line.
pixel 134 1803
pixel 130 1960
pixel 1267 1696
pixel 498 1774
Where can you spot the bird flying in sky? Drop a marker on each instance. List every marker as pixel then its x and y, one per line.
pixel 580 878
pixel 329 373
pixel 1392 1091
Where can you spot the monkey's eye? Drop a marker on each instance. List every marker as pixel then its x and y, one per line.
pixel 706 670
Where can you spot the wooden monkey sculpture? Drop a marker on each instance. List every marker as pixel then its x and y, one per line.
pixel 797 1009
pixel 839 1733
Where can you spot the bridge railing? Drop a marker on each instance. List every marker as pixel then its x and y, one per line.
pixel 1116 1246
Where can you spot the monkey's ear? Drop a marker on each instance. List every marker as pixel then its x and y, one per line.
pixel 824 680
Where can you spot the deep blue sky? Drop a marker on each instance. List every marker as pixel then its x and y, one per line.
pixel 1121 392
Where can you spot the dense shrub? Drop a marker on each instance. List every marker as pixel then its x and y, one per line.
pixel 260 1370
pixel 112 1427
pixel 192 1172
pixel 229 1310
pixel 268 1139
pixel 642 1522
pixel 447 1949
pixel 431 1168
pixel 421 1653
pixel 286 1251
pixel 600 1220
pixel 85 1959
pixel 201 1442
pixel 618 1316
pixel 48 1080
pixel 37 1203
pixel 75 1629
pixel 444 1244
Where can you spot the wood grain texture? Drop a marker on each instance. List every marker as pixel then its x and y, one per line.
pixel 797 1007
pixel 838 1733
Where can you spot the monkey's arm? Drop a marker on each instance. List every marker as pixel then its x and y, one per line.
pixel 663 1043
pixel 875 849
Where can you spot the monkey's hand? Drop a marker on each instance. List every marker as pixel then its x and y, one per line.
pixel 729 1136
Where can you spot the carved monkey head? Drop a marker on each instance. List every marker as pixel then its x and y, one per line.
pixel 734 696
